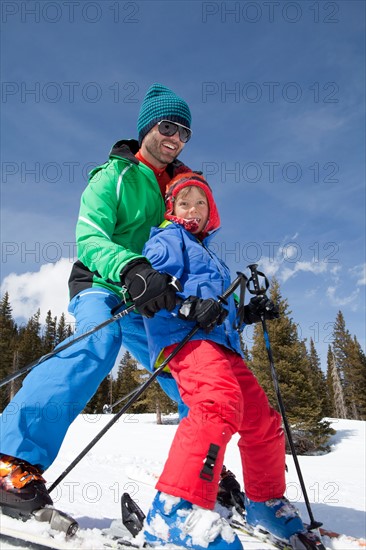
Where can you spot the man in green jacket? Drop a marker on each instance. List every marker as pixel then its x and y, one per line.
pixel 123 200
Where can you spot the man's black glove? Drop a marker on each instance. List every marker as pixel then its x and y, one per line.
pixel 149 289
pixel 207 313
pixel 259 306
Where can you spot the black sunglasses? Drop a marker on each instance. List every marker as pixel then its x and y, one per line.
pixel 167 128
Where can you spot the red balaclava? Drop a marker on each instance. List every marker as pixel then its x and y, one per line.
pixel 185 180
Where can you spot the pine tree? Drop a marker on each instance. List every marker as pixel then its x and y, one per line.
pixel 63 330
pixel 293 368
pixel 8 337
pixel 29 348
pixel 156 400
pixel 49 334
pixel 319 380
pixel 30 342
pixel 129 378
pixel 350 363
pixel 330 384
pixel 340 409
pixel 103 396
pixel 244 348
pixel 356 376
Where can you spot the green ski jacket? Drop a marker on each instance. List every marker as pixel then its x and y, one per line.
pixel 118 208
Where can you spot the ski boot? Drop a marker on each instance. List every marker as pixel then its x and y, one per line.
pixel 173 520
pixel 278 517
pixel 22 488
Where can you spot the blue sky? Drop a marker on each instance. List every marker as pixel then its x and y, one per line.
pixel 277 94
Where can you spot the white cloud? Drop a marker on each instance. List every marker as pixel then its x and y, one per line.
pixel 270 266
pixel 45 289
pixel 335 271
pixel 311 292
pixel 341 301
pixel 286 263
pixel 309 267
pixel 359 271
pixel 285 273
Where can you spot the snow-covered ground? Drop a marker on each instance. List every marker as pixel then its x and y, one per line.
pixel 136 444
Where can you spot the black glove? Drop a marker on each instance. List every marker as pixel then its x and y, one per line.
pixel 259 306
pixel 149 289
pixel 207 313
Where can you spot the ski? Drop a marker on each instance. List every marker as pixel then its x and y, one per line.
pixel 302 541
pixel 41 543
pixel 133 517
pixel 57 520
pixel 32 542
pixel 34 535
pixel 348 539
pixel 122 543
pixel 36 531
pixel 310 540
pixel 19 538
pixel 51 529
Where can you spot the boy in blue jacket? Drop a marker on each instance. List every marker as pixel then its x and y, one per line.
pixel 222 394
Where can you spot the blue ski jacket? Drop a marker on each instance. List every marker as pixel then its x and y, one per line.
pixel 174 250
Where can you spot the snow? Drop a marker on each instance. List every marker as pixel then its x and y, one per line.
pixel 131 454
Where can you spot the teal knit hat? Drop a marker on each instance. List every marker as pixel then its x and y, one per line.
pixel 160 103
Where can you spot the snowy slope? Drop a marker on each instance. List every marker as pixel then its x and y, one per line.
pixel 92 491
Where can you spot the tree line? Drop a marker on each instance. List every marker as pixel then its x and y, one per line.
pixel 310 394
pixel 20 345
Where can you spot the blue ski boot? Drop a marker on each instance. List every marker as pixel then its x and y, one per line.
pixel 277 516
pixel 172 520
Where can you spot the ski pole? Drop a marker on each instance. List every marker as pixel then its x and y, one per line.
pixel 258 290
pixel 142 388
pixel 107 409
pixel 62 347
pixel 115 316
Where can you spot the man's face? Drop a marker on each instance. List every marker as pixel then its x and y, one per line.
pixel 160 150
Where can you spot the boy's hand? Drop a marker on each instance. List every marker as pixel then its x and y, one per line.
pixel 260 306
pixel 149 289
pixel 207 313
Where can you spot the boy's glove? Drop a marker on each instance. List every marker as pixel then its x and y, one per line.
pixel 259 306
pixel 207 313
pixel 149 289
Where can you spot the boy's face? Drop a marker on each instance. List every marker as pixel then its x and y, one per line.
pixel 191 204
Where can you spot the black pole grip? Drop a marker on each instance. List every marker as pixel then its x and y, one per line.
pixel 233 286
pixel 254 278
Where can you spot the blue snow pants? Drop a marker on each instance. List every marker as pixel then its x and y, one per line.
pixel 54 393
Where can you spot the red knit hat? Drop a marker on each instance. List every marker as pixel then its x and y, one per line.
pixel 178 183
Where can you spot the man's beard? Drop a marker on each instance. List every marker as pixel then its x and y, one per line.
pixel 153 148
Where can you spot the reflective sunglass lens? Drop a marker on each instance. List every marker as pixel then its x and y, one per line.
pixel 184 134
pixel 167 128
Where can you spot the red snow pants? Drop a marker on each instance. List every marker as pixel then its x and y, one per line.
pixel 224 397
